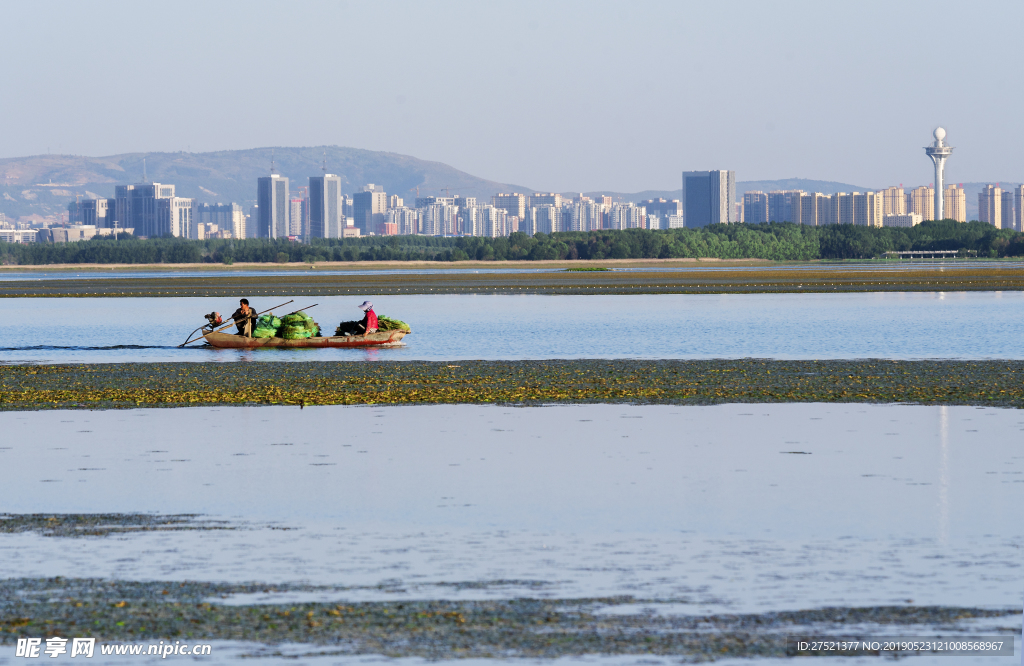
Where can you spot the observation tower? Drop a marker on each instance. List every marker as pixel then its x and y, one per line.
pixel 939 152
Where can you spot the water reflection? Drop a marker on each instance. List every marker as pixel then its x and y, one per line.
pixel 734 506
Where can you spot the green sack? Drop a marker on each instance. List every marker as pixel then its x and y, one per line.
pixel 385 323
pixel 297 319
pixel 268 321
pixel 294 332
pixel 259 332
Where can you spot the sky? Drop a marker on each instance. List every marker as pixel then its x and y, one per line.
pixel 553 95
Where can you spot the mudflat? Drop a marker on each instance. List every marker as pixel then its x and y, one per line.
pixel 683 382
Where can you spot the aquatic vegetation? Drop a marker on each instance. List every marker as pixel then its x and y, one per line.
pixel 536 628
pixel 126 385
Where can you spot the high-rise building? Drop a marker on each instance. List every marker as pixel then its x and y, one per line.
pixel 544 219
pixel 1006 219
pixel 921 200
pixel 463 202
pixel 901 220
pixel 495 222
pixel 540 199
pixel 274 211
pixel 173 217
pixel 135 207
pixel 1018 208
pixel 843 208
pixel 828 212
pixel 295 217
pixel 406 220
pixel 939 152
pixel 226 217
pixel 626 216
pixel 395 201
pixel 659 211
pixel 513 203
pixel 894 201
pixel 990 201
pixel 954 202
pixel 368 208
pixel 583 216
pixel 97 212
pixel 755 207
pixel 439 220
pixel 326 218
pixel 867 209
pixel 780 205
pixel 804 208
pixel 708 197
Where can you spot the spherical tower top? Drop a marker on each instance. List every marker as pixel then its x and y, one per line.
pixel 939 134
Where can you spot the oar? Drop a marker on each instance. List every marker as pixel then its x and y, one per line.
pixel 231 324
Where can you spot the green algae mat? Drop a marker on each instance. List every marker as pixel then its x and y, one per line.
pixel 114 611
pixel 129 385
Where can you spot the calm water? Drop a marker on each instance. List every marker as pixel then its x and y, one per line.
pixel 958 325
pixel 728 508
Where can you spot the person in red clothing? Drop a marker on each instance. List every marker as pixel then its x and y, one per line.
pixel 369 320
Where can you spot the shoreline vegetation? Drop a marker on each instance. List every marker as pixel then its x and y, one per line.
pixel 526 383
pixel 703 278
pixel 769 241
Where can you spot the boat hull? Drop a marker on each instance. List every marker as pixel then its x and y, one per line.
pixel 378 339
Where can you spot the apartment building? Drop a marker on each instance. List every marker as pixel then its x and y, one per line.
pixel 990 208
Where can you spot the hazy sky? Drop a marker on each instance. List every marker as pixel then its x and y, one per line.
pixel 562 95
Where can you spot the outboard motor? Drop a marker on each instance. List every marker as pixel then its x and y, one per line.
pixel 213 320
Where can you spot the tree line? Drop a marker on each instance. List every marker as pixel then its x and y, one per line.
pixel 773 241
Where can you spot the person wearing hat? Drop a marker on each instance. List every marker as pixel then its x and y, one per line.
pixel 366 325
pixel 369 320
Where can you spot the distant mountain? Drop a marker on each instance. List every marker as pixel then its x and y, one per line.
pixel 41 186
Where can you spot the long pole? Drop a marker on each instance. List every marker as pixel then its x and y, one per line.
pixel 232 323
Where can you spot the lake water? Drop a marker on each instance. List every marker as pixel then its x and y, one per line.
pixel 928 325
pixel 731 508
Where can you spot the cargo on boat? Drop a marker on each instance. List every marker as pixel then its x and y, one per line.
pixel 391 338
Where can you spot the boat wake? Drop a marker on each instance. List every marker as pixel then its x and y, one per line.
pixel 80 348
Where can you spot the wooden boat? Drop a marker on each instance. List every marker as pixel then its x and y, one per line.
pixel 378 339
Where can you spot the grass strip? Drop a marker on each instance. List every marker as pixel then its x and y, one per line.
pixel 676 382
pixel 806 278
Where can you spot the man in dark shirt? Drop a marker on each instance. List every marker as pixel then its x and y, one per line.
pixel 244 317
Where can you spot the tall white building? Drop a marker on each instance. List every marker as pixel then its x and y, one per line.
pixel 894 201
pixel 544 219
pixel 990 206
pixel 439 220
pixel 326 215
pixel 407 220
pixel 921 200
pixel 755 207
pixel 626 216
pixel 955 203
pixel 228 217
pixel 1006 217
pixel 1018 208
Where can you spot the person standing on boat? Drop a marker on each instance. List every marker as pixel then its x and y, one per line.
pixel 369 320
pixel 244 317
